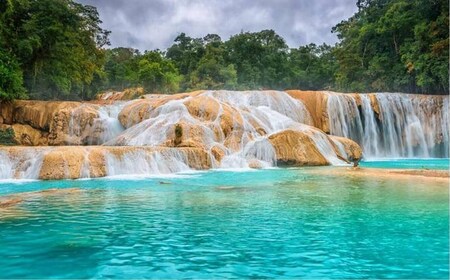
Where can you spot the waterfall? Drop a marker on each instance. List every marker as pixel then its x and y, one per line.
pixel 406 125
pixel 108 123
pixel 23 164
pixel 237 123
pixel 232 130
pixel 142 162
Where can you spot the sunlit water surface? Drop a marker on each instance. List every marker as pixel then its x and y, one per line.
pixel 284 223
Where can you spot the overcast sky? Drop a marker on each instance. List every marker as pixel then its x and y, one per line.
pixel 151 24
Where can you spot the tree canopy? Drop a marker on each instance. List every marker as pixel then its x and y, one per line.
pixel 57 44
pixel 394 45
pixel 55 49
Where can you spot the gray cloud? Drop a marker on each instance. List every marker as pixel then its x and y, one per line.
pixel 151 24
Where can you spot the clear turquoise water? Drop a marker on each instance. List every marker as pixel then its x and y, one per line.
pixel 425 163
pixel 283 223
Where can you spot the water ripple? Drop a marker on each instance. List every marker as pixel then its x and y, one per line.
pixel 286 224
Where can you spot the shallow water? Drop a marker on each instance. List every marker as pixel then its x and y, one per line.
pixel 403 163
pixel 284 223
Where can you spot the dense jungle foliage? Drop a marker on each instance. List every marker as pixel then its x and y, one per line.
pixel 55 49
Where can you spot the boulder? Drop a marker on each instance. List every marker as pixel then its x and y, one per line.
pixel 64 163
pixel 296 148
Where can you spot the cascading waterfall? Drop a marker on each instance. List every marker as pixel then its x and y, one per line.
pixel 140 162
pixel 232 130
pixel 25 165
pixel 255 116
pixel 406 125
pixel 108 122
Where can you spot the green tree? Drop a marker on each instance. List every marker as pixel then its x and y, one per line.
pixel 311 67
pixel 394 45
pixel 121 68
pixel 260 59
pixel 56 42
pixel 186 54
pixel 212 71
pixel 11 79
pixel 158 74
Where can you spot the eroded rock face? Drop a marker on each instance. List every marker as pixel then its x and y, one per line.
pixel 38 114
pixel 69 125
pixel 28 136
pixel 6 112
pixel 53 123
pixel 318 106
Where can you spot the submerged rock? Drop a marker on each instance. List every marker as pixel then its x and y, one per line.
pixel 14 199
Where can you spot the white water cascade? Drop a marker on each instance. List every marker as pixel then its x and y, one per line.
pixel 25 165
pixel 231 130
pixel 254 116
pixel 406 125
pixel 139 162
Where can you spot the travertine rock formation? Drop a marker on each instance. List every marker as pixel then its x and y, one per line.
pixel 296 148
pixel 216 129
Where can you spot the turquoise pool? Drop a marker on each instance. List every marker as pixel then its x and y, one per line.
pixel 283 223
pixel 422 163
